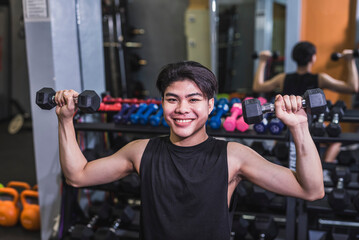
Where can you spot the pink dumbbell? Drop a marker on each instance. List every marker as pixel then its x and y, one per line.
pixel 230 122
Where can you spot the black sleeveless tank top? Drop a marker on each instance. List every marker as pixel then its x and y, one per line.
pixel 297 84
pixel 184 191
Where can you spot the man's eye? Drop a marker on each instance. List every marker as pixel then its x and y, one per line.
pixel 194 100
pixel 171 99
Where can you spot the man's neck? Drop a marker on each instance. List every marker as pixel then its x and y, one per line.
pixel 304 69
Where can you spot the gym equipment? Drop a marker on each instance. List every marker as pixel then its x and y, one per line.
pixel 313 100
pixel 318 127
pixel 230 123
pixel 88 101
pixel 262 126
pixel 155 119
pixel 275 126
pixel 127 116
pixel 259 196
pixel 239 228
pixel 116 107
pixel 123 217
pixel 136 116
pixel 143 118
pixel 241 125
pixel 336 56
pixel 117 118
pixel 263 227
pixel 275 55
pixel 221 109
pixel 336 113
pixel 356 201
pixel 9 209
pixel 107 99
pixel 281 151
pixel 348 156
pixel 339 198
pixel 86 232
pixel 30 214
pixel 260 147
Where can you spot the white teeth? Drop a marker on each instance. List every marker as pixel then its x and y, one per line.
pixel 182 121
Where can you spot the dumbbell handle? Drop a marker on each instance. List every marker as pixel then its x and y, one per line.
pixel 270 108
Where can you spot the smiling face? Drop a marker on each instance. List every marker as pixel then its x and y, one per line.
pixel 186 110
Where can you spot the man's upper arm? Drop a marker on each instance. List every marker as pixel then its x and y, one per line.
pixel 115 166
pixel 253 167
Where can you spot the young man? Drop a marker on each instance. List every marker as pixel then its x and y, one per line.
pixel 304 54
pixel 188 177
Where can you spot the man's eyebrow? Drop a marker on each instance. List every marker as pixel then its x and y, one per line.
pixel 169 94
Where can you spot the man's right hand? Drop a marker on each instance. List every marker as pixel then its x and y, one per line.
pixel 66 101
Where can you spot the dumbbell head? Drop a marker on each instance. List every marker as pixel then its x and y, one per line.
pixel 341 172
pixel 335 56
pixel 88 101
pixel 252 111
pixel 44 98
pixel 315 101
pixel 263 226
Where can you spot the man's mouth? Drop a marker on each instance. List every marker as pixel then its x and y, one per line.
pixel 183 120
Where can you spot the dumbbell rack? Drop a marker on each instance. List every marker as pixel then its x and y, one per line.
pixel 321 207
pixel 296 221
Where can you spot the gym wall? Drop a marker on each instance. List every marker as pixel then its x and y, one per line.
pixel 331 27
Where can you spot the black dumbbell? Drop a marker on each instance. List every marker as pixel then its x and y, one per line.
pixel 84 232
pixel 313 100
pixel 239 228
pixel 336 113
pixel 88 101
pixel 336 56
pixel 263 227
pixel 259 197
pixel 318 127
pixel 275 55
pixel 339 197
pixel 281 151
pixel 260 147
pixel 123 217
pixel 348 157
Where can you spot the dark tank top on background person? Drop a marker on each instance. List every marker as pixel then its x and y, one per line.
pixel 184 191
pixel 296 84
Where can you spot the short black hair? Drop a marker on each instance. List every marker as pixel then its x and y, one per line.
pixel 303 52
pixel 199 74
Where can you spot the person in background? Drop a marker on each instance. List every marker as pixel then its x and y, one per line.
pixel 296 83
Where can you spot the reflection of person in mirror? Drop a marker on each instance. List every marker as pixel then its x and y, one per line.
pixel 188 178
pixel 296 83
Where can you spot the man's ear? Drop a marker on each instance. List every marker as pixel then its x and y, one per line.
pixel 211 105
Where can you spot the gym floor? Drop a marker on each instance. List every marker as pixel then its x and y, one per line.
pixel 17 164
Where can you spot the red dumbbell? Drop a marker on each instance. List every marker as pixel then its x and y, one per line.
pixel 116 107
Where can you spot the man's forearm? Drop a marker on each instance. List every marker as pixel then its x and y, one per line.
pixel 259 76
pixel 309 171
pixel 71 158
pixel 353 75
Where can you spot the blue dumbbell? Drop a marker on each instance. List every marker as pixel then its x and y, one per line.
pixel 155 120
pixel 233 101
pixel 275 126
pixel 144 117
pixel 215 122
pixel 118 117
pixel 127 116
pixel 261 127
pixel 135 117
